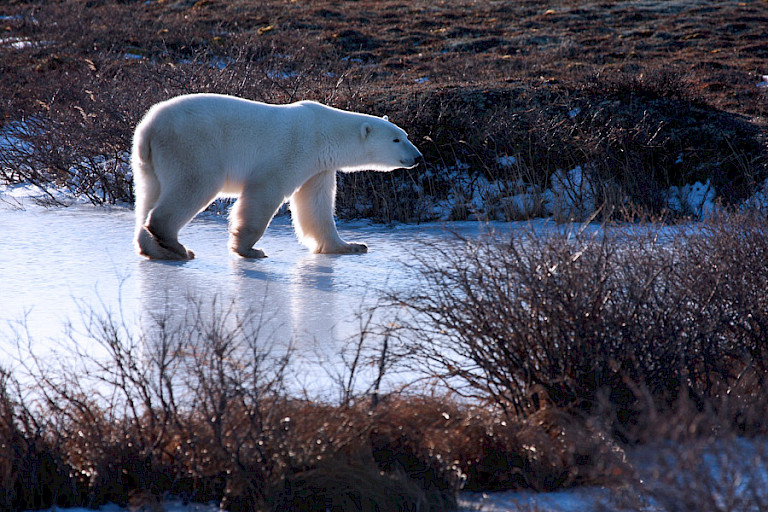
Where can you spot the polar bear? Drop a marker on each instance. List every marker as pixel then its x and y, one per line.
pixel 192 148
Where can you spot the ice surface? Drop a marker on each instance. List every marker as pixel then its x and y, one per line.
pixel 57 265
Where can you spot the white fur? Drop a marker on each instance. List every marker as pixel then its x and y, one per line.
pixel 193 148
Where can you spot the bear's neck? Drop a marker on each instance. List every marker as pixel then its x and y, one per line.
pixel 340 147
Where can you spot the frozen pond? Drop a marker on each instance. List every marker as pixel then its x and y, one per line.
pixel 54 261
pixel 57 265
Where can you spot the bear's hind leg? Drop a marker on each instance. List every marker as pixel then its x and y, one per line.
pixel 312 211
pixel 152 247
pixel 161 231
pixel 248 221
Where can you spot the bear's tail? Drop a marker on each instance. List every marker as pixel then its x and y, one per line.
pixel 146 185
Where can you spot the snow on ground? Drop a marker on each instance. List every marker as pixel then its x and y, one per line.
pixel 572 500
pixel 697 200
pixel 506 161
pixel 572 196
pixel 759 199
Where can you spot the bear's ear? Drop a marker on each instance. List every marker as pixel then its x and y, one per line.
pixel 365 130
pixel 386 118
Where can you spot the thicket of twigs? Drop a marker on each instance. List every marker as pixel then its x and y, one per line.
pixel 635 318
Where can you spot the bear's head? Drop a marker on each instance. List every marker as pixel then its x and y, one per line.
pixel 386 146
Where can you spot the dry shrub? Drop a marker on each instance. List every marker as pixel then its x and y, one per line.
pixel 33 473
pixel 355 452
pixel 186 408
pixel 645 132
pixel 550 450
pixel 412 435
pixel 334 485
pixel 195 407
pixel 581 319
pixel 406 453
pixel 562 450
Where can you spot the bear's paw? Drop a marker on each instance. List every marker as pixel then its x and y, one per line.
pixel 252 254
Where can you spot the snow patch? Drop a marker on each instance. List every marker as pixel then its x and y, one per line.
pixel 13 135
pixel 697 200
pixel 169 506
pixel 548 201
pixel 281 75
pixel 22 43
pixel 571 500
pixel 17 43
pixel 525 205
pixel 505 161
pixel 573 195
pixel 759 199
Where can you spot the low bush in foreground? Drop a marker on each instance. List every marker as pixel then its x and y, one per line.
pixel 615 322
pixel 564 352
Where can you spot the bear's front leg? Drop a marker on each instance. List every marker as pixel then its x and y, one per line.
pixel 312 212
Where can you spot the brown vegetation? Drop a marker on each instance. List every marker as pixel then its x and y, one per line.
pixel 644 95
pixel 632 317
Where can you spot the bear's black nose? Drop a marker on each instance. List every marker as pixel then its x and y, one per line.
pixel 419 161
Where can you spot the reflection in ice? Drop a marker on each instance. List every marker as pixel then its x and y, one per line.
pixel 56 264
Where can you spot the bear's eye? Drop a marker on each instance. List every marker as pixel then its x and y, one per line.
pixel 396 141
